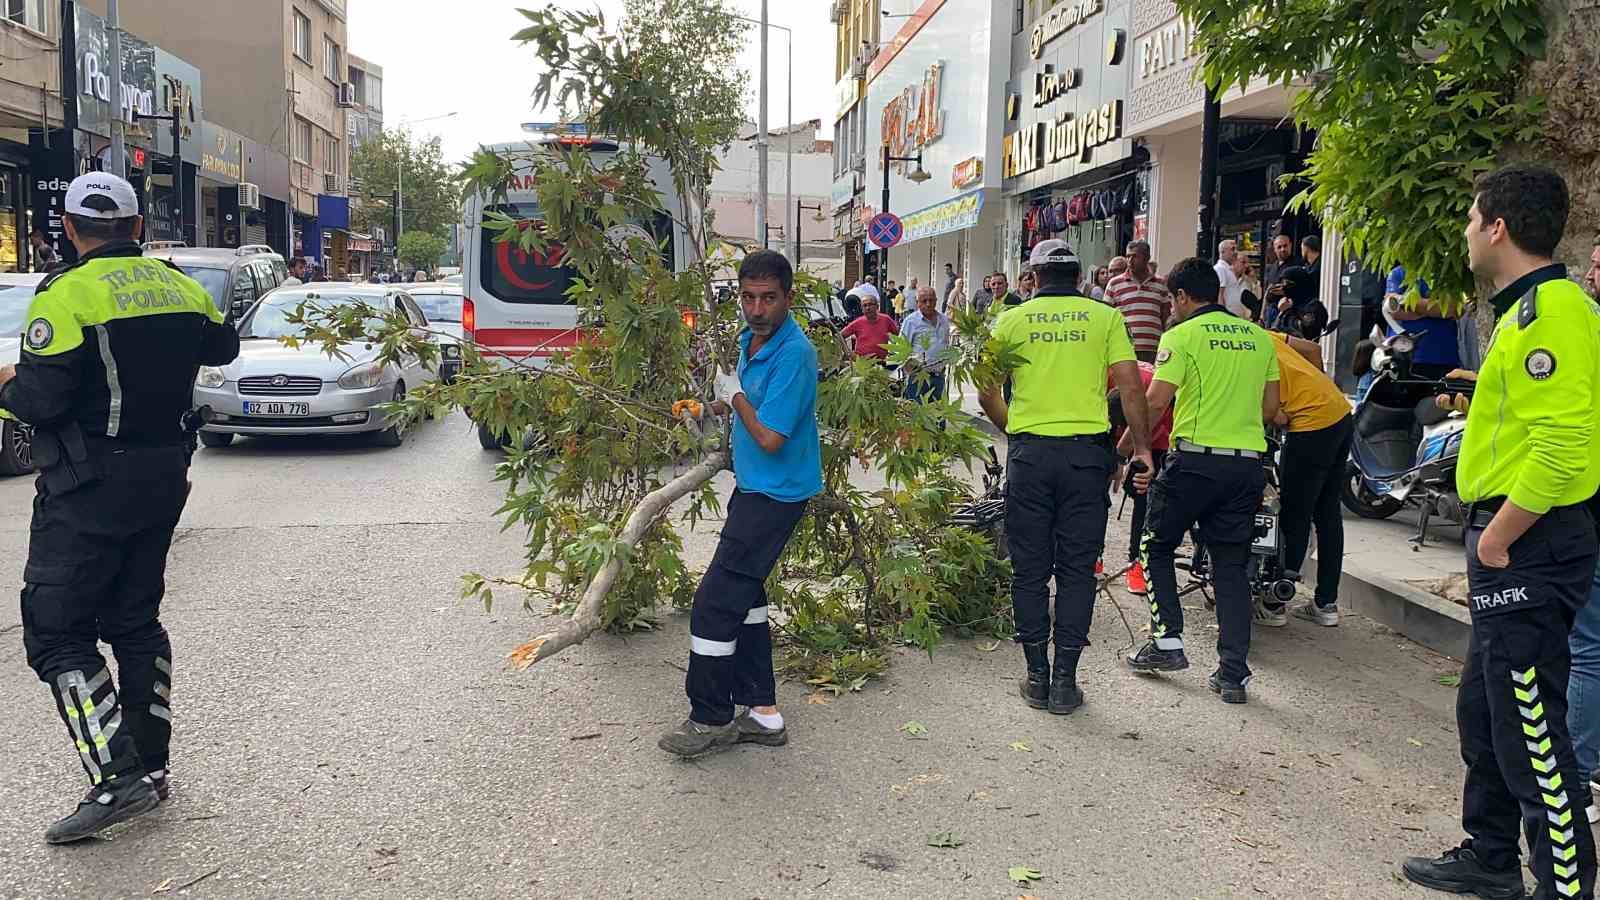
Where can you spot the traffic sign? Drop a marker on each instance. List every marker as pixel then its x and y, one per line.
pixel 885 230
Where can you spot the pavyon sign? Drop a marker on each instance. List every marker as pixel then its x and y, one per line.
pixel 913 119
pixel 1070 136
pixel 1061 20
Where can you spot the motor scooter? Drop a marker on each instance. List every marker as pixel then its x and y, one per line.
pixel 1405 446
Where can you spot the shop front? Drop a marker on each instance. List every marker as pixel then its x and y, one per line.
pixel 1068 168
pixel 934 92
pixel 147 82
pixel 220 171
pixel 1256 145
pixel 333 214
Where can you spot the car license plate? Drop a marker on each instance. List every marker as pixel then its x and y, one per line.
pixel 1266 532
pixel 276 408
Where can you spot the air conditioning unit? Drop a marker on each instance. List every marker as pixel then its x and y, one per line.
pixel 837 13
pixel 858 67
pixel 249 196
pixel 330 183
pixel 347 95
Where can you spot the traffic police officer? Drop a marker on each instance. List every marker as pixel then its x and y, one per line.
pixel 1224 372
pixel 1528 467
pixel 1058 461
pixel 109 357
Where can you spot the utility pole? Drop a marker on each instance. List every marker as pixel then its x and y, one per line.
pixel 761 139
pixel 788 151
pixel 119 148
pixel 1211 123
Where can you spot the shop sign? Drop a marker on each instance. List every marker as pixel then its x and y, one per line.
pixel 178 88
pixel 1069 137
pixel 1060 20
pixel 843 191
pixel 943 218
pixel 845 95
pixel 220 154
pixel 967 173
pixel 1165 48
pixel 913 120
pixel 1141 227
pixel 98 103
pixel 1050 85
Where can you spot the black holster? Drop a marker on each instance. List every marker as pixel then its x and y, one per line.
pixel 63 459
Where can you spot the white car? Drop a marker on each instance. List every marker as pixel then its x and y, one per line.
pixel 442 303
pixel 16 439
pixel 276 390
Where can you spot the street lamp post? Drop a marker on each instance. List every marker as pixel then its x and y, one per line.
pixel 761 136
pixel 177 159
pixel 917 176
pixel 799 207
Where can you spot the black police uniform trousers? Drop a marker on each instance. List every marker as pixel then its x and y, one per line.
pixel 1313 475
pixel 1511 706
pixel 97 558
pixel 730 642
pixel 1221 494
pixel 1141 504
pixel 1056 507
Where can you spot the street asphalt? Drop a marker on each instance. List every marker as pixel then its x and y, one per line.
pixel 346 727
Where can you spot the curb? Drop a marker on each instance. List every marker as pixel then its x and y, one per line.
pixel 1433 622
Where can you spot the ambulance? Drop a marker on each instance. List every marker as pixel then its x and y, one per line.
pixel 515 304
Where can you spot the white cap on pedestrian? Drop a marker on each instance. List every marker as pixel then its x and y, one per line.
pixel 1050 252
pixel 101 195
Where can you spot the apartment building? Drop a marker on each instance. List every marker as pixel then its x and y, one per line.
pixel 858 29
pixel 30 107
pixel 277 73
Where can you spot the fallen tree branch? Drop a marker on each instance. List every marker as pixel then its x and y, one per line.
pixel 585 619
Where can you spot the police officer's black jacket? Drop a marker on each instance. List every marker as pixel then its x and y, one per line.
pixel 112 346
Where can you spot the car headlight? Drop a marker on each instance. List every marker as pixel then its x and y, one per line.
pixel 365 375
pixel 452 351
pixel 210 377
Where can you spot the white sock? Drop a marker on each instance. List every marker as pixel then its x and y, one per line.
pixel 155 776
pixel 768 720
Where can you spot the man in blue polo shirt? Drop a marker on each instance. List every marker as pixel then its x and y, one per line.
pixel 1432 324
pixel 777 468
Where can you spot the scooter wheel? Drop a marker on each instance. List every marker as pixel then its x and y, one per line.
pixel 1356 498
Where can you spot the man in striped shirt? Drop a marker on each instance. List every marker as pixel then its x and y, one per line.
pixel 1143 299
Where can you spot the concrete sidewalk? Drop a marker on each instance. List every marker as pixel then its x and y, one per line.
pixel 1387 576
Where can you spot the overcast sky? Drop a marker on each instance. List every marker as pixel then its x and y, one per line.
pixel 457 57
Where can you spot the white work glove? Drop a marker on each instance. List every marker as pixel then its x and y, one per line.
pixel 728 386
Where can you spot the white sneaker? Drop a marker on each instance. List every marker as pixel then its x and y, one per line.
pixel 1311 612
pixel 1272 617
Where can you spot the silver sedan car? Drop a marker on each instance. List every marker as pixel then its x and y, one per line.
pixel 276 390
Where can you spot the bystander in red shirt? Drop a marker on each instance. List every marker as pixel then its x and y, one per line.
pixel 872 334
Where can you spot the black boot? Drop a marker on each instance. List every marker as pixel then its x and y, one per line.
pixel 102 808
pixel 1064 694
pixel 1035 688
pixel 1151 658
pixel 1459 871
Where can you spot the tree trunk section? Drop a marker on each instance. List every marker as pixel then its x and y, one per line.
pixel 585 619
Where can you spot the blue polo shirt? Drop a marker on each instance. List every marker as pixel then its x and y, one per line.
pixel 1436 338
pixel 780 381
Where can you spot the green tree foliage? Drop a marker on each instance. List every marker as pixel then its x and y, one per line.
pixel 613 445
pixel 429 193
pixel 1411 101
pixel 421 250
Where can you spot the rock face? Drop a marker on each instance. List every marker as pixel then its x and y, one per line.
pixel 1569 80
